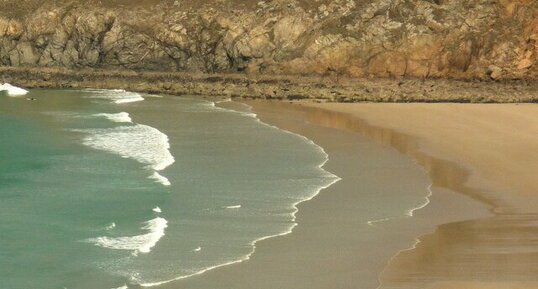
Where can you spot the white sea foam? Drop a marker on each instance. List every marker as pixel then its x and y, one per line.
pixel 153 95
pixel 139 243
pixel 198 249
pixel 233 207
pixel 120 117
pixel 122 287
pixel 409 213
pixel 111 226
pixel 140 142
pixel 13 90
pixel 115 95
pixel 116 117
pixel 157 210
pixel 160 179
pixel 331 180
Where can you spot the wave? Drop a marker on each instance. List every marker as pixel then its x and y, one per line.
pixel 116 117
pixel 331 179
pixel 110 226
pixel 116 95
pixel 138 244
pixel 120 117
pixel 142 143
pixel 157 210
pixel 121 287
pixel 160 179
pixel 233 207
pixel 13 90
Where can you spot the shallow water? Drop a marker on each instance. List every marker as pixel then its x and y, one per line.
pixel 101 189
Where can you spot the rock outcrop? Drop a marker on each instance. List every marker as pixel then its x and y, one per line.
pixel 277 87
pixel 467 39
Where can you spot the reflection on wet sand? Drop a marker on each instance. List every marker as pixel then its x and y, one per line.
pixel 502 249
pixel 495 252
pixel 444 173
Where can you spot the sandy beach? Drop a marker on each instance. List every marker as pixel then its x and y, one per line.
pixel 496 145
pixel 234 144
pixel 489 150
pixel 477 231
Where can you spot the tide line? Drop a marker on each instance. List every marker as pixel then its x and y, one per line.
pixel 409 213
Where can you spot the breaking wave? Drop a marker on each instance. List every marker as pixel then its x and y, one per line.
pixel 142 143
pixel 139 243
pixel 116 95
pixel 12 90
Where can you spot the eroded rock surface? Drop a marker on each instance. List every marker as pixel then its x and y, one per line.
pixel 481 39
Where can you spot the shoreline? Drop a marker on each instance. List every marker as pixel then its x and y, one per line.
pixel 335 179
pixel 460 209
pixel 249 117
pixel 280 256
pixel 324 88
pixel 407 146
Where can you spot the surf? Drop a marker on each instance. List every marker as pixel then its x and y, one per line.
pixel 139 142
pixel 329 178
pixel 138 244
pixel 118 96
pixel 13 90
pixel 116 117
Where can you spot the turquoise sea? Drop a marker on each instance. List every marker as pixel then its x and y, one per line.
pixel 114 189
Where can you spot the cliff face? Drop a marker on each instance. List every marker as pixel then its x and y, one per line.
pixel 436 38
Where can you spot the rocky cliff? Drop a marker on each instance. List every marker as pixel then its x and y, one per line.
pixel 478 39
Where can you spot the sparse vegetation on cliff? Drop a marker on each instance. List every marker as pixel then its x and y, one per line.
pixel 381 38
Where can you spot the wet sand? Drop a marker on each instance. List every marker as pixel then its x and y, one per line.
pixel 497 144
pixel 333 246
pixel 497 147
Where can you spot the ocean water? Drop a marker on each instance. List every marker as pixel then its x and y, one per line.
pixel 114 189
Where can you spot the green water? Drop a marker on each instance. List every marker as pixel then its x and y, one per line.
pixel 78 208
